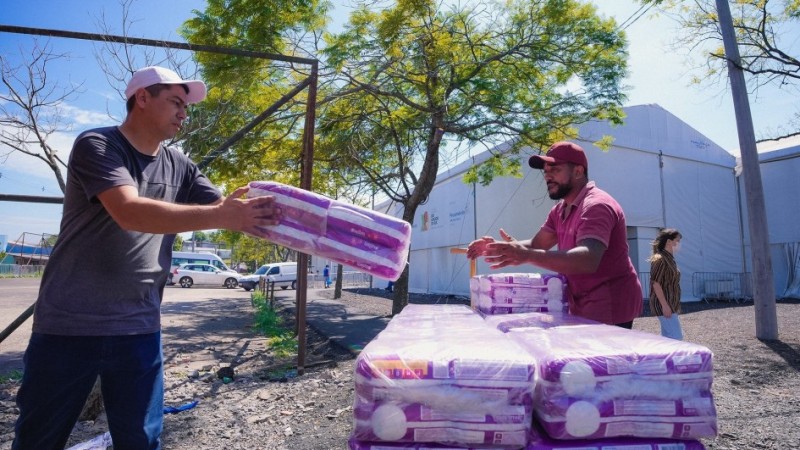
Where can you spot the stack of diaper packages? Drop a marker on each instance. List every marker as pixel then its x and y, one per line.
pixel 348 234
pixel 439 376
pixel 512 293
pixel 596 382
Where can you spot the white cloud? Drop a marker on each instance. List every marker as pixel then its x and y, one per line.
pixel 30 165
pixel 75 118
pixel 84 118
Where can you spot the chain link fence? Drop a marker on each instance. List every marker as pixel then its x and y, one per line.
pixel 20 270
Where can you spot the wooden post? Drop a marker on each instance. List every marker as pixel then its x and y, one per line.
pixel 473 264
pixel 763 283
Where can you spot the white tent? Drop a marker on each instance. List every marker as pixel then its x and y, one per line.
pixel 662 172
pixel 780 164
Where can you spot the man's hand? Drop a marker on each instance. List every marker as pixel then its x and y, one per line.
pixel 509 253
pixel 249 214
pixel 506 237
pixel 477 247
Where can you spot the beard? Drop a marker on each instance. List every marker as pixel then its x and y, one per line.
pixel 562 191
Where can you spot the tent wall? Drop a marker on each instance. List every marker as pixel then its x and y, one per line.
pixel 779 171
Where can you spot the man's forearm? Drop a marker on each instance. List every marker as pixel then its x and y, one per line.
pixel 575 261
pixel 153 216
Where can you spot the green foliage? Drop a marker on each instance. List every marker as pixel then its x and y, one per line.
pixel 281 340
pixel 256 251
pixel 178 244
pixel 12 376
pixel 495 166
pixel 242 88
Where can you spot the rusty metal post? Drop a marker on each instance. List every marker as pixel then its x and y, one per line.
pixel 305 183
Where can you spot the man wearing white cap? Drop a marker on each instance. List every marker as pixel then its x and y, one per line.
pixel 588 226
pixel 98 311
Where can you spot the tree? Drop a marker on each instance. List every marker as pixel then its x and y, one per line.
pixel 243 87
pixel 413 73
pixel 32 107
pixel 766 33
pixel 178 244
pixel 399 80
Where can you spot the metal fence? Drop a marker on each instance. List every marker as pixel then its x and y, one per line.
pixel 20 270
pixel 349 280
pixel 727 286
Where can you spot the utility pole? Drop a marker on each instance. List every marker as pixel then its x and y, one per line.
pixel 763 284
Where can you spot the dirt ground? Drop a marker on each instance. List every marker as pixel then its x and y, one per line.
pixel 267 406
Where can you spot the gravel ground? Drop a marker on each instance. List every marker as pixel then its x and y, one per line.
pixel 756 384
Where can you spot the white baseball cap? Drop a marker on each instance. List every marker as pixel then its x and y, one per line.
pixel 151 75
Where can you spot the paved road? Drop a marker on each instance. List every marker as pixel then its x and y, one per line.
pixel 17 294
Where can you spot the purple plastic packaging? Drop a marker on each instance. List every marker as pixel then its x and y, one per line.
pixel 539 440
pixel 356 444
pixel 348 234
pixel 516 293
pixel 424 380
pixel 598 381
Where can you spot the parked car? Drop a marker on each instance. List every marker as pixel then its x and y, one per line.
pixel 284 275
pixel 183 258
pixel 189 275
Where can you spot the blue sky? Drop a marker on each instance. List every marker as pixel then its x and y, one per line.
pixel 657 75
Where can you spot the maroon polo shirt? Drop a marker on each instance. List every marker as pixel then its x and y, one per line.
pixel 613 293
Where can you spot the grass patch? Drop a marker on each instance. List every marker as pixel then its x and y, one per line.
pixel 14 375
pixel 281 340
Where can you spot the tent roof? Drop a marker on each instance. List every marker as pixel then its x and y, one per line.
pixel 779 149
pixel 647 128
pixel 651 128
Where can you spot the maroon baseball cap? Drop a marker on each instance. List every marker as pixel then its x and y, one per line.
pixel 560 152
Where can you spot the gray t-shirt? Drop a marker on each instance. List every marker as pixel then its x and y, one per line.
pixel 102 280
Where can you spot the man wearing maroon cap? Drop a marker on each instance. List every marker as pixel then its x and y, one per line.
pixel 588 226
pixel 98 310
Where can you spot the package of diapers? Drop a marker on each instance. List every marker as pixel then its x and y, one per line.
pixel 514 293
pixel 351 235
pixel 540 441
pixel 355 444
pixel 440 375
pixel 598 381
pixel 506 323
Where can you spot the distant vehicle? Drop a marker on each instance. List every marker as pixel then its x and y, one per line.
pixel 189 275
pixel 283 274
pixel 248 282
pixel 183 258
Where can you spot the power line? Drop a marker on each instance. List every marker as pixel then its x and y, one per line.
pixel 638 15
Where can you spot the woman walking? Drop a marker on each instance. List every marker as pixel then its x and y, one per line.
pixel 665 282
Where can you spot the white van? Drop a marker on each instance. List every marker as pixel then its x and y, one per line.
pixel 283 274
pixel 180 258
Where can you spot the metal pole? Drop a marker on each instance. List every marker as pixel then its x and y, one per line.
pixel 17 322
pixel 763 283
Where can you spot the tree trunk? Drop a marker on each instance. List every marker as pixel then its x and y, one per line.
pixel 337 289
pixel 420 194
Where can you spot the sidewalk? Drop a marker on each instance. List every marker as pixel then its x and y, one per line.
pixel 349 328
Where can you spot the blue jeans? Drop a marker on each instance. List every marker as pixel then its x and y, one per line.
pixel 671 327
pixel 60 371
